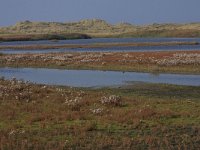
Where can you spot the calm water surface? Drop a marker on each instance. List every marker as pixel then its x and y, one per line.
pixel 105 40
pixel 91 78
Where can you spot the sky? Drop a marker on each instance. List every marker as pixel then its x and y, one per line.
pixel 113 11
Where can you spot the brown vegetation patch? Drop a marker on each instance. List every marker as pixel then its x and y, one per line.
pixel 177 61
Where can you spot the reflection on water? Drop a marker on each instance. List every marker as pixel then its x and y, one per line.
pixel 91 78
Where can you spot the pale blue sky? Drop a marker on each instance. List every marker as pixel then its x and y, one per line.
pixel 113 11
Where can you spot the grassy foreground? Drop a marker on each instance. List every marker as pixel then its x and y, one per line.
pixel 142 116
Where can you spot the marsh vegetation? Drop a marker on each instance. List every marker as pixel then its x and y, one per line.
pixel 171 62
pixel 142 116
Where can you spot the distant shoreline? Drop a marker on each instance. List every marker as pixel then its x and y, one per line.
pixel 74 36
pixel 94 28
pixel 39 37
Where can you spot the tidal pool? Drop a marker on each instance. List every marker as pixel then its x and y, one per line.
pixel 93 78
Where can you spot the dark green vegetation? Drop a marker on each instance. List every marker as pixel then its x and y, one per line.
pixel 97 28
pixel 37 37
pixel 142 116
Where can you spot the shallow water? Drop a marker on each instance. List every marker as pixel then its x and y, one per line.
pixel 91 78
pixel 104 40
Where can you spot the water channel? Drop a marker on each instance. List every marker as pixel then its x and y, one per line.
pixel 92 78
